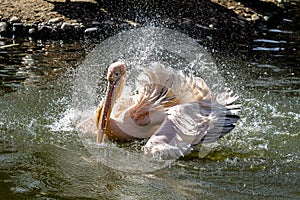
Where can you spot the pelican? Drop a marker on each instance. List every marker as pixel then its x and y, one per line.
pixel 174 110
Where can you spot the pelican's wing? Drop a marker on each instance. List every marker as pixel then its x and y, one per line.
pixel 182 127
pixel 163 84
pixel 163 88
pixel 190 124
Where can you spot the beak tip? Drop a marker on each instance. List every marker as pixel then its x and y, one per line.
pixel 100 137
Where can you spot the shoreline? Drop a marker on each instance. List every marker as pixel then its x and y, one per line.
pixel 79 19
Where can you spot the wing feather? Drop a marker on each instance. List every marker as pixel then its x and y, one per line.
pixel 163 88
pixel 182 128
pixel 193 123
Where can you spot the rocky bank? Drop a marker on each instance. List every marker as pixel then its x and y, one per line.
pixel 77 19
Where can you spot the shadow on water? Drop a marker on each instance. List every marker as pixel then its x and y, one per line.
pixel 42 157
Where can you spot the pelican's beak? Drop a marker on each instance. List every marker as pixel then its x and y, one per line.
pixel 106 111
pixel 116 78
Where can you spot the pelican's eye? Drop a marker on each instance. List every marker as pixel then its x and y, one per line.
pixel 114 77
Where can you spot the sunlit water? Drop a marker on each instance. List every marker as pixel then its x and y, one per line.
pixel 43 157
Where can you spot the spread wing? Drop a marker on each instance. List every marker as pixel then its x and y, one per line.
pixel 193 123
pixel 163 88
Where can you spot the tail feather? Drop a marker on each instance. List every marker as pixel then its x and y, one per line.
pixel 220 129
pixel 225 115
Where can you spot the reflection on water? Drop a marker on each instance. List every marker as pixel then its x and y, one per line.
pixel 27 63
pixel 42 157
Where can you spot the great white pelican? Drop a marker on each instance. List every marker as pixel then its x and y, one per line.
pixel 174 110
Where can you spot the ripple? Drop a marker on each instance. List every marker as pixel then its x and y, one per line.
pixel 267 49
pixel 270 41
pixel 280 31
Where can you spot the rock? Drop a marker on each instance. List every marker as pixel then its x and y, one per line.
pixel 91 30
pixel 31 30
pixel 3 27
pixel 45 31
pixel 66 26
pixel 55 20
pixel 266 18
pixel 17 27
pixel 254 17
pixel 44 28
pixel 14 19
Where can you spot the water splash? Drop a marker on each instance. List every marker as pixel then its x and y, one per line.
pixel 140 49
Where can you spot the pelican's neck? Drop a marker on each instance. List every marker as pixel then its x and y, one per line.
pixel 116 130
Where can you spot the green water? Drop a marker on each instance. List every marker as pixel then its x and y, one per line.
pixel 42 156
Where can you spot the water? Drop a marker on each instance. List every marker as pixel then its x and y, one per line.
pixel 42 99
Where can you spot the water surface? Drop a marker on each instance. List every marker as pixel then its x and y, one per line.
pixel 43 157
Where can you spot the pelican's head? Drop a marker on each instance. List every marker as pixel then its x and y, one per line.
pixel 116 72
pixel 115 79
